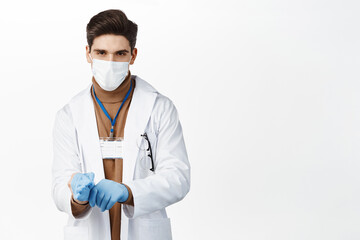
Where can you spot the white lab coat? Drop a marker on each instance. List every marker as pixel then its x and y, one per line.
pixel 76 149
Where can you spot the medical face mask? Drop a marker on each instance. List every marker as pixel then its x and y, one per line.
pixel 109 74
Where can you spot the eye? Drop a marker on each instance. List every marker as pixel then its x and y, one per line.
pixel 101 52
pixel 120 53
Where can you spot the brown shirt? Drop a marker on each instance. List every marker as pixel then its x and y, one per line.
pixel 113 168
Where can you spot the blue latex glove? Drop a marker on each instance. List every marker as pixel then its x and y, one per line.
pixel 106 193
pixel 81 184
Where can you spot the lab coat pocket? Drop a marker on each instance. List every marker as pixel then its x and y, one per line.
pixel 150 229
pixel 76 233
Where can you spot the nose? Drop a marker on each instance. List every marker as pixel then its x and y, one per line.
pixel 111 57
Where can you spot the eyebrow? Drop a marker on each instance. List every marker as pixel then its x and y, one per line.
pixel 118 51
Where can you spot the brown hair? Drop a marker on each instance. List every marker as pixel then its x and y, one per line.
pixel 111 21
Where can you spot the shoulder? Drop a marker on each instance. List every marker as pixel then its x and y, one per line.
pixel 63 116
pixel 162 102
pixel 85 93
pixel 66 111
pixel 142 85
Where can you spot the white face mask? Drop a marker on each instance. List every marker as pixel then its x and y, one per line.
pixel 109 74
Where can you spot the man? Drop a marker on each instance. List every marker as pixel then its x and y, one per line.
pixel 119 153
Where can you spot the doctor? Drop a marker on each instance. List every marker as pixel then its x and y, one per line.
pixel 119 152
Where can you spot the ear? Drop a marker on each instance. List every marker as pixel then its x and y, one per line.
pixel 87 54
pixel 133 57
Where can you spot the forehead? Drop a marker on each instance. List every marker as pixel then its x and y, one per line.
pixel 111 42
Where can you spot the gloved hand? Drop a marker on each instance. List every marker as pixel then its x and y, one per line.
pixel 81 184
pixel 106 193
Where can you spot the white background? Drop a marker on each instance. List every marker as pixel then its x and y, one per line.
pixel 268 97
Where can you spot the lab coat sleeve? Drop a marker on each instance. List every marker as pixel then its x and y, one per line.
pixel 171 181
pixel 130 200
pixel 78 209
pixel 65 161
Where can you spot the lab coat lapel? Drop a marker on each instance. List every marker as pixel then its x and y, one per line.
pixel 141 106
pixel 92 152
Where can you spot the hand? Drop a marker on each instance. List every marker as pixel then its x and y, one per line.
pixel 106 193
pixel 80 185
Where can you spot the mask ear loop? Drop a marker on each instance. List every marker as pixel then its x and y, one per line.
pixel 91 57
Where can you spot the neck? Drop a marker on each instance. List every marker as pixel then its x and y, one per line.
pixel 116 95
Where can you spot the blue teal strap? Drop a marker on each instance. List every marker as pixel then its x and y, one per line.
pixel 101 105
pixel 104 110
pixel 126 97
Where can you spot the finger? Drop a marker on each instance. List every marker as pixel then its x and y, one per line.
pixel 91 176
pixel 104 203
pixel 93 195
pixel 75 181
pixel 90 185
pixel 110 203
pixel 99 198
pixel 76 191
pixel 84 180
pixel 76 196
pixel 80 189
pixel 84 194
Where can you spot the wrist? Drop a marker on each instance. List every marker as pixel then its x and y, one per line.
pixel 124 193
pixel 79 202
